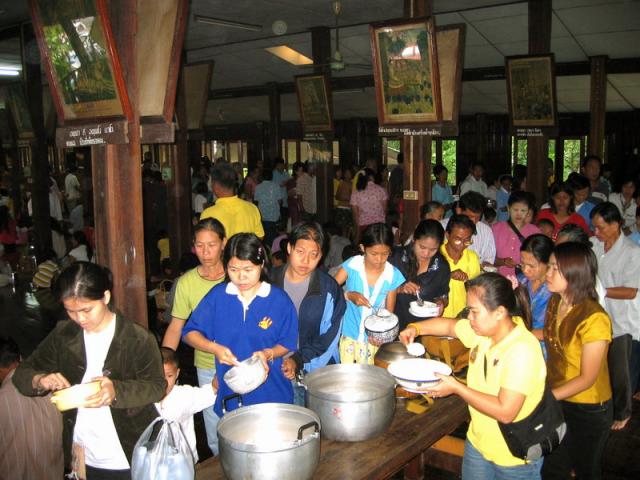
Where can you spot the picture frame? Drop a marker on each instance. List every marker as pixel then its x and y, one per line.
pixel 451 45
pixel 531 87
pixel 406 72
pixel 314 100
pixel 79 54
pixel 16 100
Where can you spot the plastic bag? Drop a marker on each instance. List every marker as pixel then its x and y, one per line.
pixel 166 457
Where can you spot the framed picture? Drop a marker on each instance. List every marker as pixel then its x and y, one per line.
pixel 531 84
pixel 17 103
pixel 451 43
pixel 80 58
pixel 314 100
pixel 405 71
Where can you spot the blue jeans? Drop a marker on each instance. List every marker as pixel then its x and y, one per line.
pixel 205 377
pixel 298 394
pixel 476 467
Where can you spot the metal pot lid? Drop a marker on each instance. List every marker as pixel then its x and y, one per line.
pixel 268 427
pixel 392 352
pixel 350 383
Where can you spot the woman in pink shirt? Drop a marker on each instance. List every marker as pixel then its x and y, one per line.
pixel 368 201
pixel 509 235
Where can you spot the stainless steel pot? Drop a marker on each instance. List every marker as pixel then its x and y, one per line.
pixel 269 441
pixel 354 402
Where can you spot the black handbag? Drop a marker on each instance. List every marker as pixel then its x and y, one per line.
pixel 538 434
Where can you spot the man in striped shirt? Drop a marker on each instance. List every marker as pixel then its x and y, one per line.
pixel 30 427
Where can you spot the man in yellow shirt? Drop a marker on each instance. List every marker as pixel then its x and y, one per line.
pixel 235 214
pixel 463 262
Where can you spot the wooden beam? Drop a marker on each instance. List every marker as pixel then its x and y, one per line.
pixel 598 105
pixel 538 147
pixel 275 117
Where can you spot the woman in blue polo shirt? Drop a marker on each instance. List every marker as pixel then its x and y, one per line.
pixel 246 317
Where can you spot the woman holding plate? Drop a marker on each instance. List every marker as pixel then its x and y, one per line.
pixel 506 376
pixel 426 270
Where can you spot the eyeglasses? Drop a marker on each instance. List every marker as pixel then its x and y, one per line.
pixel 460 241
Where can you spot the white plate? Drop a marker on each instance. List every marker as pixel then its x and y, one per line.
pixel 423 314
pixel 415 372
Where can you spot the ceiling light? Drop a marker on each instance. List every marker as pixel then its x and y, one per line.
pixel 9 72
pixel 227 23
pixel 289 55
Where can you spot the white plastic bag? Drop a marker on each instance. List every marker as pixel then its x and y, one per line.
pixel 166 457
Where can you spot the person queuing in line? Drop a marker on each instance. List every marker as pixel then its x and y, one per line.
pixel 506 376
pixel 343 213
pixel 267 195
pixel 463 262
pixel 432 211
pixel 441 190
pixel 474 181
pixel 577 333
pixel 425 269
pixel 318 299
pixel 208 242
pixel 510 234
pixel 97 344
pixel 562 209
pixel 80 249
pixel 245 317
pixel 626 202
pixel 235 214
pixel 472 205
pixel 31 433
pixel 502 198
pixel 534 263
pixel 619 270
pixel 370 282
pixel 280 178
pixel 181 402
pixel 581 188
pixel 368 202
pixel 600 189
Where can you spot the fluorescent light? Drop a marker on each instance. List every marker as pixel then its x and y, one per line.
pixel 227 23
pixel 9 72
pixel 289 55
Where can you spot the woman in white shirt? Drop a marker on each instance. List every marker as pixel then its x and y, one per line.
pixel 81 251
pixel 626 203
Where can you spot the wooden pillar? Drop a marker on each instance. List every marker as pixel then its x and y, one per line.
pixel 39 163
pixel 417 150
pixel 179 188
pixel 275 143
pixel 598 105
pixel 117 181
pixel 538 147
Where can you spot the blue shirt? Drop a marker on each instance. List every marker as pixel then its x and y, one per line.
pixel 389 280
pixel 635 238
pixel 278 178
pixel 585 212
pixel 538 304
pixel 267 194
pixel 269 320
pixel 443 195
pixel 502 201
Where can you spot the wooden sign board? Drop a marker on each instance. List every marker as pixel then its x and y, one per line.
pixel 97 134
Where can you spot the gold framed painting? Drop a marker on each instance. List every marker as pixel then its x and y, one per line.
pixel 406 72
pixel 80 59
pixel 531 86
pixel 314 100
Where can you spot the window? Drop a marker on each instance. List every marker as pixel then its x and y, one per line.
pixel 572 155
pixel 519 151
pixel 449 157
pixel 442 151
pixel 299 150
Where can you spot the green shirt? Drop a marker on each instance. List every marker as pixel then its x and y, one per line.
pixel 192 288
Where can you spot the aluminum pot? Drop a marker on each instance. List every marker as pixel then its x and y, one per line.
pixel 389 353
pixel 354 402
pixel 269 441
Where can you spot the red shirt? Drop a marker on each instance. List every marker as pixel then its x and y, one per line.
pixel 574 218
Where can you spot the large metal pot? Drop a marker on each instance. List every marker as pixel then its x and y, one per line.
pixel 354 402
pixel 269 441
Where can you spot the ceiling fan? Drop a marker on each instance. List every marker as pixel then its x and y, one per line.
pixel 336 62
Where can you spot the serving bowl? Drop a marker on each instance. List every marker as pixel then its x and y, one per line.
pixel 417 374
pixel 427 309
pixel 74 396
pixel 246 376
pixel 382 327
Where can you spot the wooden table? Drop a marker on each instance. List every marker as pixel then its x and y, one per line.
pixel 399 447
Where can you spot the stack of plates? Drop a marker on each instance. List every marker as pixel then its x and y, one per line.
pixel 428 309
pixel 417 374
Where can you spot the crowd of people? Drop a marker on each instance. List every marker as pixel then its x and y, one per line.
pixel 536 296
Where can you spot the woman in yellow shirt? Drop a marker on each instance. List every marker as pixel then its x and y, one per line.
pixel 577 334
pixel 506 375
pixel 464 263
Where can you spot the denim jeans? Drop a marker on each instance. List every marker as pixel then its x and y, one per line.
pixel 298 394
pixel 588 427
pixel 205 377
pixel 476 467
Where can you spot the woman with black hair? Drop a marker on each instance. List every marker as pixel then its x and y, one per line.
pixel 368 201
pixel 506 376
pixel 97 344
pixel 426 270
pixel 243 317
pixel 562 209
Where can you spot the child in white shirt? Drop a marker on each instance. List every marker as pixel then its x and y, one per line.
pixel 182 401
